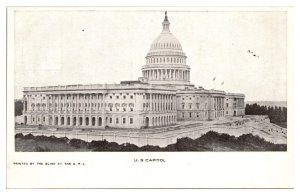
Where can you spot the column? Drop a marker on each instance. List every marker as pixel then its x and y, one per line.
pixel 180 74
pixel 77 120
pixel 90 120
pixel 173 74
pixel 59 120
pixel 66 110
pixel 152 74
pixel 58 107
pixel 71 120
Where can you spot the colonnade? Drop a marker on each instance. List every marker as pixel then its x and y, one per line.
pixel 167 74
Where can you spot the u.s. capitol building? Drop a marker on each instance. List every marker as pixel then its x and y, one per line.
pixel 162 97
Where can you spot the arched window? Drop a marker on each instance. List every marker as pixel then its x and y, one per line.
pixel 124 106
pixel 131 105
pixel 117 105
pixel 38 106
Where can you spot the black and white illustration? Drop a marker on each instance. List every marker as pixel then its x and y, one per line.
pixel 149 80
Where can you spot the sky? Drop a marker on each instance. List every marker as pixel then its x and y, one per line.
pixel 247 50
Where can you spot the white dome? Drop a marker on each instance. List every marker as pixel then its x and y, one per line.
pixel 166 40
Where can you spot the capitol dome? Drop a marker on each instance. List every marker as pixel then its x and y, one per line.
pixel 166 61
pixel 166 40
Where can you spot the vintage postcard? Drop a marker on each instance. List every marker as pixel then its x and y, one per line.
pixel 149 97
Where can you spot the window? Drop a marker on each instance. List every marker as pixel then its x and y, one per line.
pixel 124 97
pixel 110 97
pixel 197 105
pixel 183 106
pixel 117 97
pixel 182 115
pixel 43 119
pixel 131 97
pixel 110 109
pixel 190 115
pixel 117 120
pixel 110 120
pixel 197 115
pixel 190 105
pixel 226 105
pixel 124 120
pixel 124 109
pixel 131 120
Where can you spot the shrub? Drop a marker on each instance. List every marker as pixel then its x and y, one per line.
pixel 19 135
pixel 41 149
pixel 28 136
pixel 77 143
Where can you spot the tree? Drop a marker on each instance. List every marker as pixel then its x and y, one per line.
pixel 276 114
pixel 18 107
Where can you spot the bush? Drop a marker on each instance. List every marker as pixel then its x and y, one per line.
pixel 185 144
pixel 150 148
pixel 28 136
pixel 77 143
pixel 97 144
pixel 41 149
pixel 19 135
